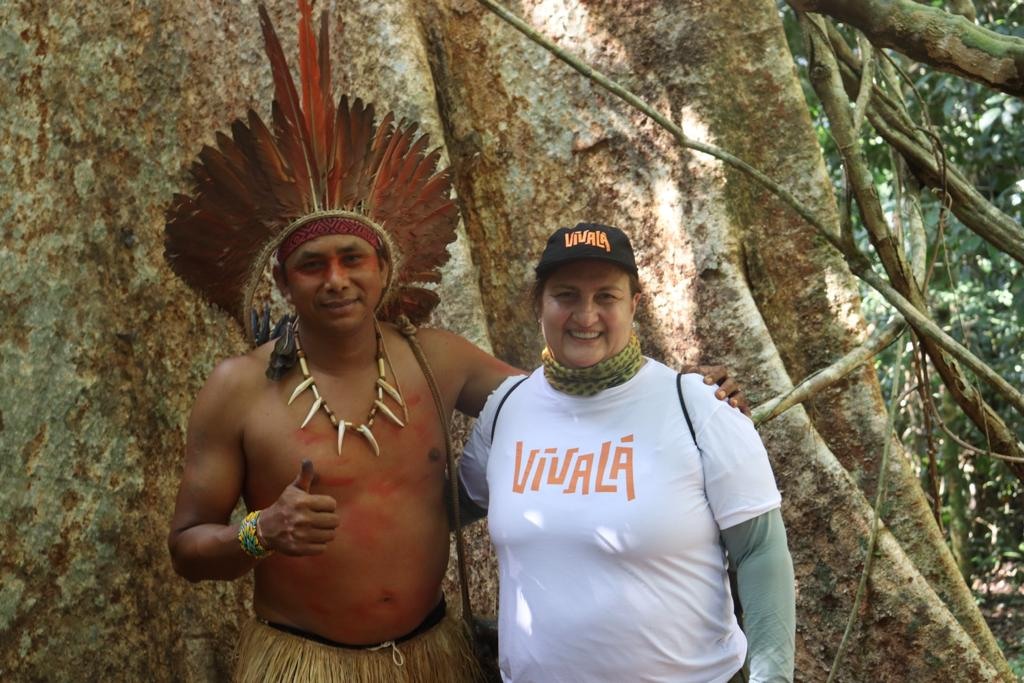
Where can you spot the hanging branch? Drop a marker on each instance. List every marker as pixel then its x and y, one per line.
pixel 932 412
pixel 630 98
pixel 827 83
pixel 974 449
pixel 811 385
pixel 858 263
pixel 867 80
pixel 917 236
pixel 824 76
pixel 924 388
pixel 916 145
pixel 928 329
pixel 892 74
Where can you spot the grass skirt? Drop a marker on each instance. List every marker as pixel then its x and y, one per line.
pixel 441 655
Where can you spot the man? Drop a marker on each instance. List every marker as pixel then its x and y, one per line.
pixel 330 434
pixel 360 541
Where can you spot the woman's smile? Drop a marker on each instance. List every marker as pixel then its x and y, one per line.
pixel 586 312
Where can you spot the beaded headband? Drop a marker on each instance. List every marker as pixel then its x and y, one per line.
pixel 329 225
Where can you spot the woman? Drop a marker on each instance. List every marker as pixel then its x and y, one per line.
pixel 610 525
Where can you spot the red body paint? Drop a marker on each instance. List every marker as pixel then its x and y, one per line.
pixel 308 570
pixel 366 525
pixel 427 429
pixel 385 487
pixel 336 481
pixel 308 437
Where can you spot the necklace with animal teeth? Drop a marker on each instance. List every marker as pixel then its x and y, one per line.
pixel 382 388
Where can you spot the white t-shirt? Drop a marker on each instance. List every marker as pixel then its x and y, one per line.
pixel 606 520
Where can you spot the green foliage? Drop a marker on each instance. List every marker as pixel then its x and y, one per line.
pixel 975 290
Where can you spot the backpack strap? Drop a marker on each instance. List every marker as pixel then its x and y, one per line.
pixel 686 413
pixel 494 422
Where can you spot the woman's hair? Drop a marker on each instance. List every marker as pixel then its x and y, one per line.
pixel 537 290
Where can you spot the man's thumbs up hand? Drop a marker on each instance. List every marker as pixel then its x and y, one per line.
pixel 299 522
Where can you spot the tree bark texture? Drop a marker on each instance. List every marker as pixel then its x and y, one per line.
pixel 103 349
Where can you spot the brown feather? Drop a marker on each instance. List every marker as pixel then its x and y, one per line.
pixel 335 170
pixel 289 121
pixel 309 80
pixel 413 202
pixel 223 181
pixel 380 201
pixel 325 76
pixel 203 250
pixel 326 102
pixel 287 141
pixel 229 149
pixel 409 172
pixel 279 193
pixel 315 154
pixel 352 151
pixel 414 302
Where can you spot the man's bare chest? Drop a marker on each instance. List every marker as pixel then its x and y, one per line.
pixel 411 457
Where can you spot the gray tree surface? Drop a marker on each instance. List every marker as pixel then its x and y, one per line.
pixel 104 349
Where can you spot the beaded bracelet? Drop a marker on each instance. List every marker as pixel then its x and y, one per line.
pixel 249 539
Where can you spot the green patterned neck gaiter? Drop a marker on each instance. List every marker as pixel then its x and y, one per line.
pixel 589 381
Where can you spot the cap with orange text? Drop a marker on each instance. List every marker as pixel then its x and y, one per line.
pixel 587 241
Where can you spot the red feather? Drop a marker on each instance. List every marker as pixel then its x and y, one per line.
pixel 316 155
pixel 287 115
pixel 312 97
pixel 326 96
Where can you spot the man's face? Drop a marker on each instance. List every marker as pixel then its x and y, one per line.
pixel 335 280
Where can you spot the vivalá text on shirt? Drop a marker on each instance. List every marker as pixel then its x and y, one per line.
pixel 574 472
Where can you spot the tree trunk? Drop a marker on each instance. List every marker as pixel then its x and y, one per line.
pixel 104 349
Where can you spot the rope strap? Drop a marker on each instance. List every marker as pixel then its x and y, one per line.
pixel 409 331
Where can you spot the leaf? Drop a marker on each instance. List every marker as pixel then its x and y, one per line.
pixel 988 117
pixel 1006 117
pixel 947 106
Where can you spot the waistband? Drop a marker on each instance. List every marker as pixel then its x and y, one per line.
pixel 432 619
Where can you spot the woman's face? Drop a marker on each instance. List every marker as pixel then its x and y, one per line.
pixel 586 312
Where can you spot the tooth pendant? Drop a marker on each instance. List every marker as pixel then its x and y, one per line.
pixel 303 385
pixel 365 431
pixel 342 426
pixel 387 413
pixel 312 411
pixel 391 391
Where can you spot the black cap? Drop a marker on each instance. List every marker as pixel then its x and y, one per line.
pixel 587 241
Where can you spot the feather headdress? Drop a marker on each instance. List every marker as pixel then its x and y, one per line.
pixel 319 160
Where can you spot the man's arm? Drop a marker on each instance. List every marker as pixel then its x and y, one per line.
pixel 728 388
pixel 484 373
pixel 469 371
pixel 202 543
pixel 758 550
